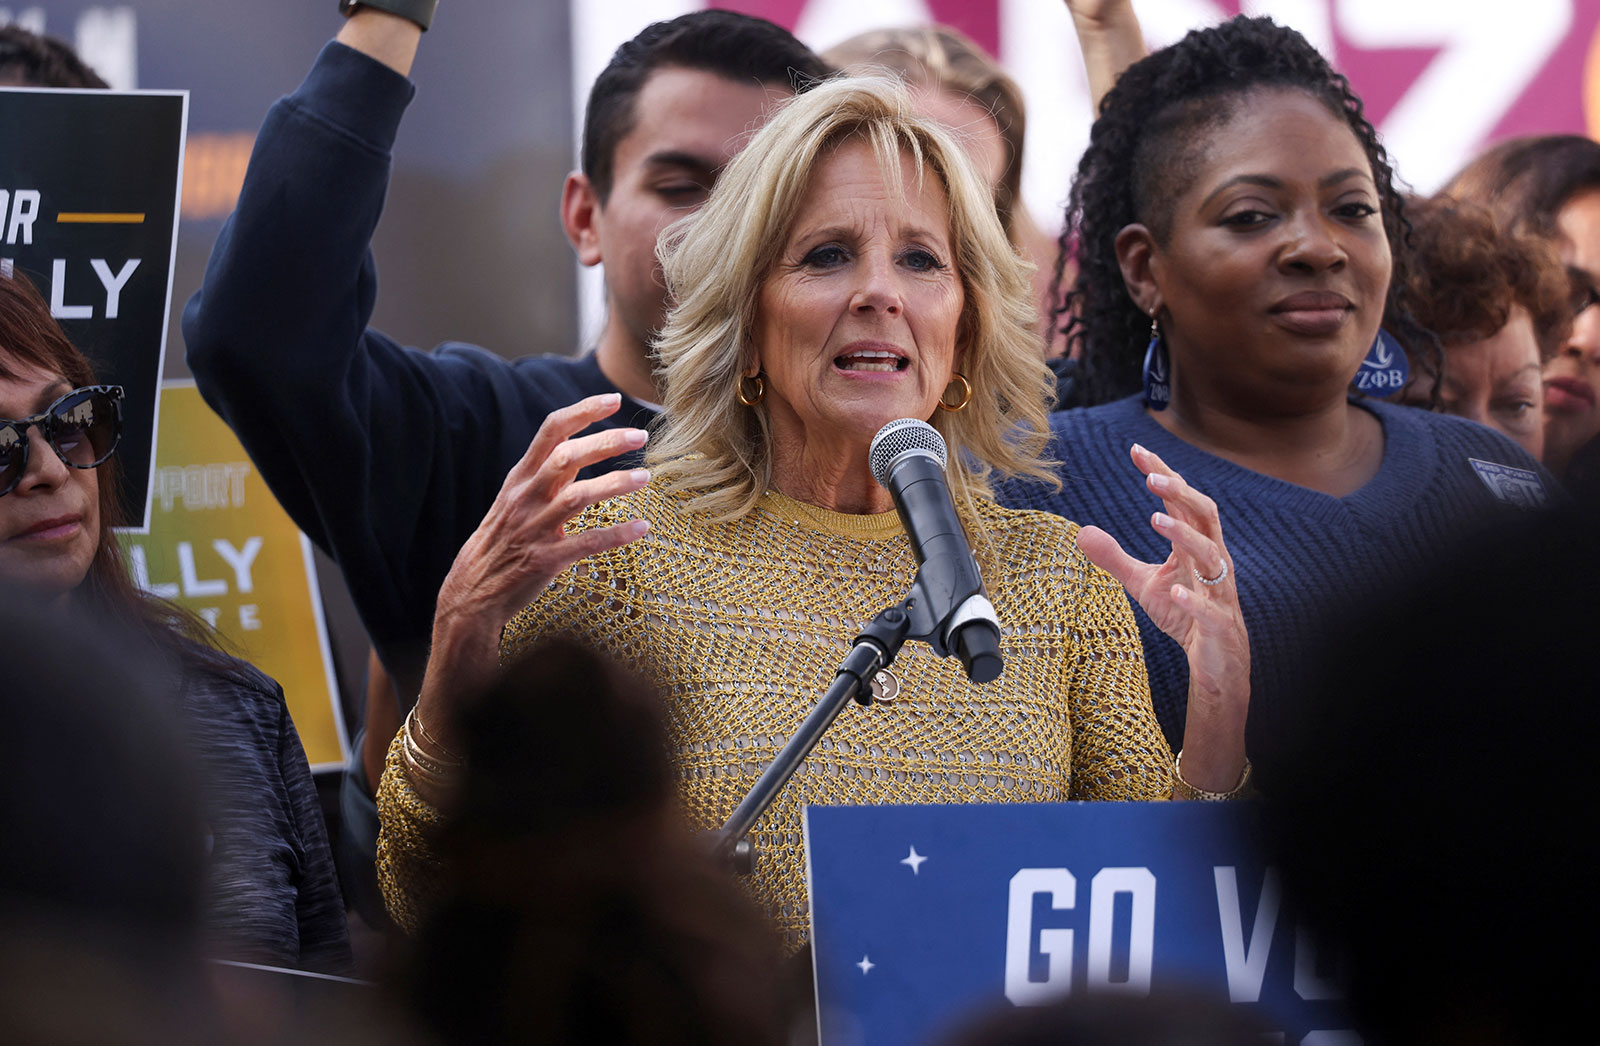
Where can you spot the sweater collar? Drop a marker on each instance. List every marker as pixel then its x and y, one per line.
pixel 1410 451
pixel 874 526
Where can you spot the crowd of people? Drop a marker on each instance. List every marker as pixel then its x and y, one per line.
pixel 1250 392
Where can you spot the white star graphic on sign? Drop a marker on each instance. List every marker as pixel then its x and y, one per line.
pixel 915 860
pixel 866 965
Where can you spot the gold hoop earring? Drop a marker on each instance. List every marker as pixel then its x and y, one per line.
pixel 956 378
pixel 751 399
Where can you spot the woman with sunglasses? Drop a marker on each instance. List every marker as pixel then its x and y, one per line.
pixel 271 893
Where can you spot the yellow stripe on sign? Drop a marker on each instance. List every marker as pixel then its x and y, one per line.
pixel 99 218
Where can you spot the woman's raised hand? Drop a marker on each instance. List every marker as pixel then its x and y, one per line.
pixel 1109 38
pixel 1100 10
pixel 1191 596
pixel 522 544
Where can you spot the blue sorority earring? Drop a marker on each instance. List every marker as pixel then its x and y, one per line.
pixel 1385 370
pixel 1157 377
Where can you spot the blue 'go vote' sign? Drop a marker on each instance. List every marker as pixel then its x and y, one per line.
pixel 924 915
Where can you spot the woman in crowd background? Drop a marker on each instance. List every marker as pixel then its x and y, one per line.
pixel 271 895
pixel 1237 228
pixel 956 82
pixel 1549 187
pixel 848 270
pixel 1500 305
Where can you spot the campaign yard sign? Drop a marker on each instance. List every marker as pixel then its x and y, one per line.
pixel 221 545
pixel 89 185
pixel 923 916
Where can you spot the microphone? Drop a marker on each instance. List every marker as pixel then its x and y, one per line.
pixel 947 605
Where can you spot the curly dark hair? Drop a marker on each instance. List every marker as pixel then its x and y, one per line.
pixel 1467 275
pixel 1147 144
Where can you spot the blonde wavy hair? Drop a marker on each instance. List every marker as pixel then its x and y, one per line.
pixel 718 451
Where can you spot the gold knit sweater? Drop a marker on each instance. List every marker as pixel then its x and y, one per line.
pixel 742 625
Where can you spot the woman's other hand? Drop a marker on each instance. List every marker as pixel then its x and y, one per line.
pixel 1191 596
pixel 521 545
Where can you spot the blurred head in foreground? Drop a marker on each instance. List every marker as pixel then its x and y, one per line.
pixel 1434 803
pixel 1167 1018
pixel 577 908
pixel 100 888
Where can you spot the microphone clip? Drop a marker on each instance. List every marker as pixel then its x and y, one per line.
pixel 875 648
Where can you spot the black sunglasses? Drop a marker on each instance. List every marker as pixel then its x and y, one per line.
pixel 83 428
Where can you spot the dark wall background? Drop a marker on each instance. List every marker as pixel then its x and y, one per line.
pixel 470 247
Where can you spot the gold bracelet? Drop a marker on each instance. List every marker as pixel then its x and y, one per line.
pixel 421 774
pixel 1183 789
pixel 423 767
pixel 440 754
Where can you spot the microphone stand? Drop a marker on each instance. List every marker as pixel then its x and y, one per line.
pixel 874 649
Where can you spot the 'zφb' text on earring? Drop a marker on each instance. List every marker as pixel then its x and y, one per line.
pixel 1385 370
pixel 750 399
pixel 1157 376
pixel 956 378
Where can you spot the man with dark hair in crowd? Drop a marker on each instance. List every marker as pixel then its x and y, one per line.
pixel 409 448
pixel 386 456
pixel 30 60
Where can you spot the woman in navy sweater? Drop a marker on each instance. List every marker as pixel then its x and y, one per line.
pixel 1237 235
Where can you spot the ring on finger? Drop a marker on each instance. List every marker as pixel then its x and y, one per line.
pixel 1222 575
